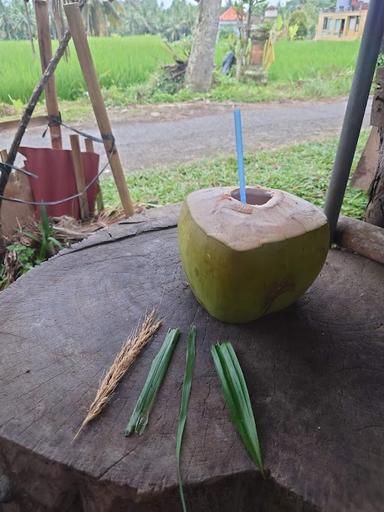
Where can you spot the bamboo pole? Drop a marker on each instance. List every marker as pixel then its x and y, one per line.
pixel 3 155
pixel 89 145
pixel 5 172
pixel 79 176
pixel 99 196
pixel 79 36
pixel 45 46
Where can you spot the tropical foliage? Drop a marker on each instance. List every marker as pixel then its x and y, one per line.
pixel 102 17
pixel 303 14
pixel 147 17
pixel 129 17
pixel 14 20
pixel 299 23
pixel 106 17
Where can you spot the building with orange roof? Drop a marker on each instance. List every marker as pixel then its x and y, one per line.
pixel 230 20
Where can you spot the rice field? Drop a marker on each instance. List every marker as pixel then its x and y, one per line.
pixel 305 60
pixel 323 67
pixel 120 61
pixel 301 70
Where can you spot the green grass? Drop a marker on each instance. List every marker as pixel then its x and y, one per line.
pixel 302 69
pixel 303 169
pixel 121 61
pixel 307 60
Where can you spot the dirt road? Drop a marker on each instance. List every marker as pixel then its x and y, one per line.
pixel 160 135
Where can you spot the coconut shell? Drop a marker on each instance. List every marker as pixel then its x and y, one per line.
pixel 245 261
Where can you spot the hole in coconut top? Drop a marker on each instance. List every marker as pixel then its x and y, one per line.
pixel 255 196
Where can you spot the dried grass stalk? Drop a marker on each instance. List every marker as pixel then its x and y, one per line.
pixel 124 359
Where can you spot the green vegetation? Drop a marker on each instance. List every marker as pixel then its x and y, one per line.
pixel 140 415
pixel 308 60
pixel 30 248
pixel 121 62
pixel 303 169
pixel 124 18
pixel 128 69
pixel 236 396
pixel 183 412
pixel 302 69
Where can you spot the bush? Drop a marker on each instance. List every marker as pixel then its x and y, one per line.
pixel 299 19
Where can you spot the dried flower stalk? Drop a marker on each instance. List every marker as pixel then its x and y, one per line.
pixel 124 359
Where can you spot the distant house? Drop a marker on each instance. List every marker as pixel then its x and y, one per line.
pixel 271 13
pixel 230 20
pixel 345 21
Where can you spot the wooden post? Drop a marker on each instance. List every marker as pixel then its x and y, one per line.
pixel 99 197
pixel 27 114
pixel 79 175
pixel 89 145
pixel 3 155
pixel 79 36
pixel 45 46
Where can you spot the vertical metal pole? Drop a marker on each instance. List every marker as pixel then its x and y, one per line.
pixel 357 103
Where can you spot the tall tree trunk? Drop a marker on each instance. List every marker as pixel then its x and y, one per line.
pixel 249 19
pixel 29 26
pixel 374 214
pixel 96 20
pixel 201 61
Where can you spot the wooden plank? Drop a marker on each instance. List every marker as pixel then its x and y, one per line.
pixel 361 237
pixel 366 168
pixel 76 26
pixel 314 373
pixel 45 47
pixel 99 198
pixel 3 155
pixel 89 145
pixel 79 176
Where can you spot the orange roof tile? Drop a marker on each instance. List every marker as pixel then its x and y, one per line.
pixel 230 15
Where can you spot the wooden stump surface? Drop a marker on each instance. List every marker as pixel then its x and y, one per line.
pixel 314 371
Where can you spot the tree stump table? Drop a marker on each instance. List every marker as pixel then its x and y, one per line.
pixel 314 371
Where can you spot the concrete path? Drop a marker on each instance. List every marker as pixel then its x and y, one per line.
pixel 164 135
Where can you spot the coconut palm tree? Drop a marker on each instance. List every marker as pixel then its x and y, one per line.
pixel 101 16
pixel 15 22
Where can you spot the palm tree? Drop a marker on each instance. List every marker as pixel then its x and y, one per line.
pixel 15 22
pixel 5 24
pixel 100 15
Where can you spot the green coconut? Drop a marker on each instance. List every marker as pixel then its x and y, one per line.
pixel 244 261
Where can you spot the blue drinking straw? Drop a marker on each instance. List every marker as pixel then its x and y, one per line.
pixel 240 155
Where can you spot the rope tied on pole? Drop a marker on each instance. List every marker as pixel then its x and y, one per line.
pixel 104 136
